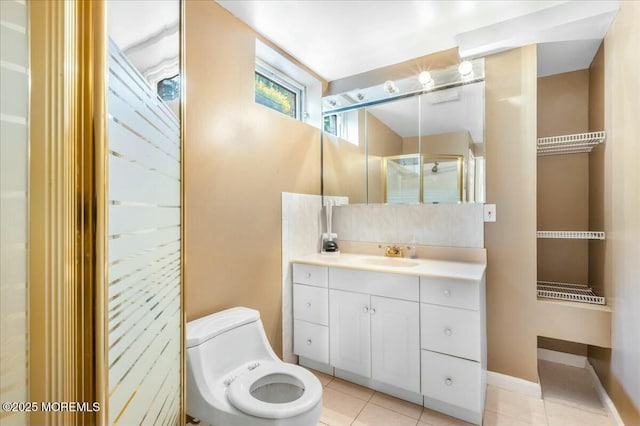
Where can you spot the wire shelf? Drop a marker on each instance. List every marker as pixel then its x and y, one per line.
pixel 576 235
pixel 567 291
pixel 569 144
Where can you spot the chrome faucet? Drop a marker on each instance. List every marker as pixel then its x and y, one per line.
pixel 393 251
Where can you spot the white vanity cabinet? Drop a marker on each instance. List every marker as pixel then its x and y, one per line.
pixel 453 341
pixel 418 336
pixel 374 326
pixel 311 312
pixel 350 331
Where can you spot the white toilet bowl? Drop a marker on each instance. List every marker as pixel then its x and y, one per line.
pixel 235 378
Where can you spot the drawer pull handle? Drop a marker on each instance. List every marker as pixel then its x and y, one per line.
pixel 308 304
pixel 446 293
pixel 448 381
pixel 308 341
pixel 308 274
pixel 448 331
pixel 365 309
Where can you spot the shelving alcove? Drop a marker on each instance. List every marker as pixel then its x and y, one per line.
pixel 562 145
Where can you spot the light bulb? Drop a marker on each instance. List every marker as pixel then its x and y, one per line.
pixel 426 80
pixel 390 87
pixel 465 69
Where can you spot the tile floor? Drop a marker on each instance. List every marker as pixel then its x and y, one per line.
pixel 569 399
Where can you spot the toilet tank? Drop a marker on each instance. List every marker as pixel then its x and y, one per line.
pixel 221 342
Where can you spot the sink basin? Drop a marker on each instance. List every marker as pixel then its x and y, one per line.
pixel 390 261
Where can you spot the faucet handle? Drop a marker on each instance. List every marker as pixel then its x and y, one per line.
pixel 393 251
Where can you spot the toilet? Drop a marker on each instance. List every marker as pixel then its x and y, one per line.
pixel 235 379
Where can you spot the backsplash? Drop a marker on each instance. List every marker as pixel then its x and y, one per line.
pixel 303 222
pixel 447 225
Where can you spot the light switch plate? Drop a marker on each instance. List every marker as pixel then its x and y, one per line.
pixel 489 212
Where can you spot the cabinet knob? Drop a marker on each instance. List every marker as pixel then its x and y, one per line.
pixel 308 274
pixel 365 309
pixel 446 293
pixel 308 304
pixel 308 341
pixel 373 311
pixel 448 381
pixel 448 331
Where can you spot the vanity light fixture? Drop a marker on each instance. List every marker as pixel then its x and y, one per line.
pixel 390 87
pixel 331 103
pixel 465 69
pixel 426 80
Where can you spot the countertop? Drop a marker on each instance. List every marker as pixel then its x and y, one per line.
pixel 420 267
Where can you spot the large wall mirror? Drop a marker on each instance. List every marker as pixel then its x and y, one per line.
pixel 408 142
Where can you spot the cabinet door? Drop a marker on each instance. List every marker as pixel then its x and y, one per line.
pixel 350 332
pixel 395 342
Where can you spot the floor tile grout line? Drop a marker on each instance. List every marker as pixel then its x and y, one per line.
pixel 395 411
pixel 546 415
pixel 359 412
pixel 347 393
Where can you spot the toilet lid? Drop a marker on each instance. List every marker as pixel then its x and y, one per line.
pixel 239 392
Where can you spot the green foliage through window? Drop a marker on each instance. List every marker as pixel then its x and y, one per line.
pixel 275 96
pixel 331 124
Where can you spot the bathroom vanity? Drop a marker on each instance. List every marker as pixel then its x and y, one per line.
pixel 411 328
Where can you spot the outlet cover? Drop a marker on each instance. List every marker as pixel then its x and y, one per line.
pixel 489 212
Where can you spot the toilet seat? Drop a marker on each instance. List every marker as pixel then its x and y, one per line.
pixel 239 391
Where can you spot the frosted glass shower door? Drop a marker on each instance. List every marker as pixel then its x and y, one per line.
pixel 14 171
pixel 144 256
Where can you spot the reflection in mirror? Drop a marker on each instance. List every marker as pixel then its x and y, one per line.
pixel 390 126
pixel 452 129
pixel 405 135
pixel 344 155
pixel 442 179
pixel 148 34
pixel 401 176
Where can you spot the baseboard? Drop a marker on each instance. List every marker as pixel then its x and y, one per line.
pixel 562 358
pixel 514 384
pixel 604 396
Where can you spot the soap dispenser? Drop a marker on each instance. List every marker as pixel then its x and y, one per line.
pixel 329 239
pixel 413 251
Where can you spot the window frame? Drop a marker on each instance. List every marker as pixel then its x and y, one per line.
pixel 282 79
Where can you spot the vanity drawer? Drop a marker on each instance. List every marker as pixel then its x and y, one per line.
pixel 310 274
pixel 397 286
pixel 450 292
pixel 311 341
pixel 452 380
pixel 450 331
pixel 311 304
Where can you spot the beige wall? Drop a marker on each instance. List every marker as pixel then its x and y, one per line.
pixel 453 143
pixel 239 158
pixel 563 180
pixel 616 176
pixel 511 184
pixel 383 142
pixel 596 173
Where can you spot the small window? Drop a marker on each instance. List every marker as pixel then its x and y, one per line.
pixel 277 91
pixel 343 125
pixel 331 124
pixel 169 88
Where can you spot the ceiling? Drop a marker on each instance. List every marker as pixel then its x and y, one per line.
pixel 338 39
pixel 147 32
pixel 450 110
